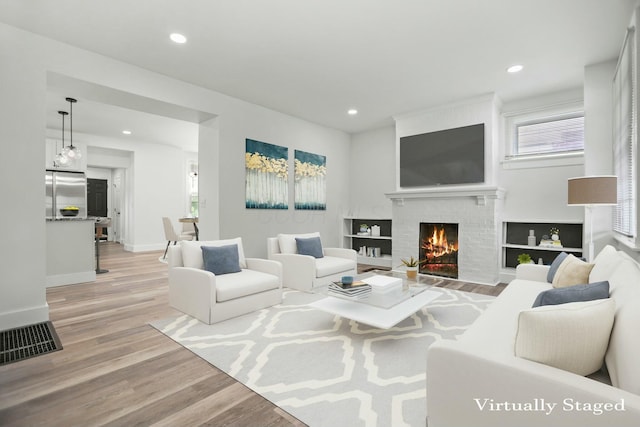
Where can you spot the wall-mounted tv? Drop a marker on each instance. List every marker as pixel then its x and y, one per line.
pixel 451 156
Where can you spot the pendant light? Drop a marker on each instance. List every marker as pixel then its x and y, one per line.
pixel 61 158
pixel 71 152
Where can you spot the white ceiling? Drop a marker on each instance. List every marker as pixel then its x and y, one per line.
pixel 108 121
pixel 315 59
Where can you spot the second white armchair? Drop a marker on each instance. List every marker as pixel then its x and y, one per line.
pixel 306 264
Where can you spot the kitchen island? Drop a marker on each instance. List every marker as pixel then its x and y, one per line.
pixel 70 251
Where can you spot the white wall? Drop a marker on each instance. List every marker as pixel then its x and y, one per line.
pixel 372 173
pixel 537 190
pixel 255 225
pixel 27 58
pixel 22 108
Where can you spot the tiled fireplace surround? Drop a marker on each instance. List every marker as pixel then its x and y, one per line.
pixel 475 210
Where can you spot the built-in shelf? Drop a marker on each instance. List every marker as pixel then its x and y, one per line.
pixel 382 243
pixel 361 236
pixel 516 233
pixel 545 248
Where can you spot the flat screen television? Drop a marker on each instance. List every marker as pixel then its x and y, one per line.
pixel 451 156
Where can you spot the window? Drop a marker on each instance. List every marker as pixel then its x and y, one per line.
pixel 554 135
pixel 192 189
pixel 551 130
pixel 624 140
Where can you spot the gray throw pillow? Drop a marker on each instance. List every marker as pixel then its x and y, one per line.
pixel 554 266
pixel 577 293
pixel 309 246
pixel 221 259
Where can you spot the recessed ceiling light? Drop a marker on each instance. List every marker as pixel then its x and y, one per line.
pixel 178 38
pixel 515 68
pixel 352 112
pixel 126 132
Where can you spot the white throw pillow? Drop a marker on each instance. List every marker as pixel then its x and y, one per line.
pixel 192 254
pixel 288 244
pixel 572 271
pixel 572 337
pixel 605 264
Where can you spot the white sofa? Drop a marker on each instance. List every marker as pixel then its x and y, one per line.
pixel 478 380
pixel 212 298
pixel 304 272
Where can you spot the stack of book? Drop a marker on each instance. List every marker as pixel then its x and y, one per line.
pixel 355 290
pixel 550 243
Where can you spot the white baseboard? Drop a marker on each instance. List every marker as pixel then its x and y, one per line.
pixel 145 248
pixel 71 278
pixel 27 316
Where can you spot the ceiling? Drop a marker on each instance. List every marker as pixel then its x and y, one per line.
pixel 315 59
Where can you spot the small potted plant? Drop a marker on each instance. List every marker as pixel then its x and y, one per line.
pixel 524 259
pixel 364 228
pixel 412 266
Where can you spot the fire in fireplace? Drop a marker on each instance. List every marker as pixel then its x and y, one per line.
pixel 439 249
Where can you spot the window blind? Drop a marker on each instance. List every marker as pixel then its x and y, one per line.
pixel 624 136
pixel 554 135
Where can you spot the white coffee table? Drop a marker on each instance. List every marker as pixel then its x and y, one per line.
pixel 379 310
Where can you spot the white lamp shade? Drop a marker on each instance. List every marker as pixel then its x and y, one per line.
pixel 592 190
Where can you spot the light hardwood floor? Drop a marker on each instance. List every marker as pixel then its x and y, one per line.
pixel 116 370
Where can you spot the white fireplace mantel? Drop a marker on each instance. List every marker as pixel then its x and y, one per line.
pixel 481 194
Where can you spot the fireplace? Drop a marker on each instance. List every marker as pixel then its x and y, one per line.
pixel 438 249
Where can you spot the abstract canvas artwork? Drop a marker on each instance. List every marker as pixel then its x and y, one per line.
pixel 310 188
pixel 267 170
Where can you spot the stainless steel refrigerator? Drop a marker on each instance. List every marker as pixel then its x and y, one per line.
pixel 65 188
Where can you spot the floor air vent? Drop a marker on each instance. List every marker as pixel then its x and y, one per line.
pixel 28 341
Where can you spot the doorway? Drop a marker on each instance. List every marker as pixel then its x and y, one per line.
pixel 97 202
pixel 97 197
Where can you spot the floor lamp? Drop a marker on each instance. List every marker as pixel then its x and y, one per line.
pixel 591 191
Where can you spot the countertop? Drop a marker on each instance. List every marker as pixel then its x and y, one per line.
pixel 71 218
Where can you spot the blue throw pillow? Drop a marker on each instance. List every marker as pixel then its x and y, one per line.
pixel 309 246
pixel 554 266
pixel 221 259
pixel 577 293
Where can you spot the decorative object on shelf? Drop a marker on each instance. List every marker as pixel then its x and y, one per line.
pixel 310 181
pixel 373 252
pixel 412 266
pixel 364 229
pixel 540 262
pixel 375 231
pixel 71 152
pixel 61 160
pixel 591 191
pixel 524 259
pixel 531 240
pixel 554 241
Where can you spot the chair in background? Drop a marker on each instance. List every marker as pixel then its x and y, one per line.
pixel 171 235
pixel 188 229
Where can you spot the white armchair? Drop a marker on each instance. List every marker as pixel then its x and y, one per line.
pixel 306 272
pixel 211 297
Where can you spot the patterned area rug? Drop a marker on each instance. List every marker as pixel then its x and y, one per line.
pixel 326 370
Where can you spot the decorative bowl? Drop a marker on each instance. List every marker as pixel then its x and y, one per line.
pixel 69 212
pixel 346 280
